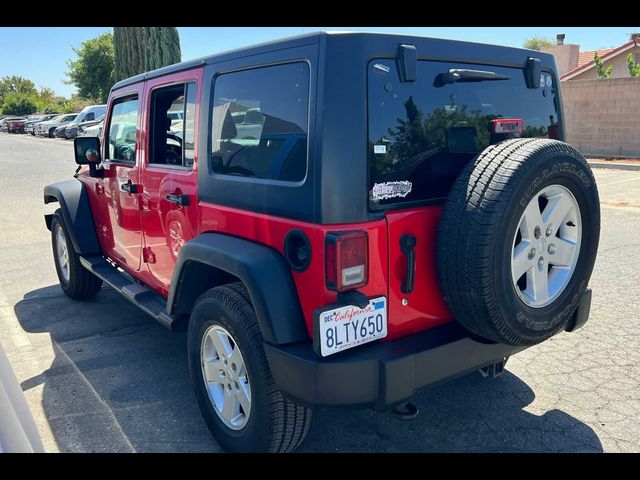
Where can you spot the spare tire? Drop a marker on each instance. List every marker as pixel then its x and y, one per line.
pixel 517 240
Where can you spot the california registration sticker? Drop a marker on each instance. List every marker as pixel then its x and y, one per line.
pixel 507 125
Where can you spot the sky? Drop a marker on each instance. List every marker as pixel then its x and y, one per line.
pixel 41 53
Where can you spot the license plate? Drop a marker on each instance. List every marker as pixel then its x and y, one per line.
pixel 346 327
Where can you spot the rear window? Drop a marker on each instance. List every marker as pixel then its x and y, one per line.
pixel 421 134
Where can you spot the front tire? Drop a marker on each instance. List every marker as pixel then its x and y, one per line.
pixel 76 281
pixel 242 406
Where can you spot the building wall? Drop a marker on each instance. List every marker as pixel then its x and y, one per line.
pixel 601 116
pixel 619 63
pixel 566 56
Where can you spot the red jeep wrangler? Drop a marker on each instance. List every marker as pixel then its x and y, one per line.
pixel 336 219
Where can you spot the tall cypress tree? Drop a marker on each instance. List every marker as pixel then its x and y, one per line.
pixel 117 53
pixel 134 39
pixel 140 49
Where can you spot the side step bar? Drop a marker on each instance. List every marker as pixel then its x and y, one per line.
pixel 145 298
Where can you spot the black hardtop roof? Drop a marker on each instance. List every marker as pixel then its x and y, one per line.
pixel 314 38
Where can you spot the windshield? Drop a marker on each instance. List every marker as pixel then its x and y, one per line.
pixel 421 134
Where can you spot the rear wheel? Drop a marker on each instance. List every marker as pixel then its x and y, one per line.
pixel 242 406
pixel 51 132
pixel 76 281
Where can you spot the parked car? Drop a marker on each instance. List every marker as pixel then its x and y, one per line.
pixel 88 114
pixel 364 215
pixel 74 129
pixel 3 122
pixel 14 124
pixel 18 431
pixel 92 131
pixel 59 132
pixel 48 128
pixel 30 125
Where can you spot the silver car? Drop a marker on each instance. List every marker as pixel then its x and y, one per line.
pixel 47 128
pixel 18 431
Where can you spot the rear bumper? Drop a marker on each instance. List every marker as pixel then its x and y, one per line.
pixel 384 374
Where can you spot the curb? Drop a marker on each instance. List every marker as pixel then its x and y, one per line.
pixel 615 165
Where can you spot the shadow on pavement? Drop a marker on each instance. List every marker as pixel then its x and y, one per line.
pixel 120 382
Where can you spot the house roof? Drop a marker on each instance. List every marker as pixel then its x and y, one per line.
pixel 587 56
pixel 604 53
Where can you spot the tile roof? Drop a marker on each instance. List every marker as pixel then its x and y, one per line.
pixel 587 56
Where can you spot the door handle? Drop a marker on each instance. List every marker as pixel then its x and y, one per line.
pixel 407 244
pixel 178 199
pixel 130 187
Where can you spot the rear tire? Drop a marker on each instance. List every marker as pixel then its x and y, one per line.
pixel 270 422
pixel 76 281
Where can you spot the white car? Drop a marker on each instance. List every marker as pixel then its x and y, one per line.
pixel 93 131
pixel 18 431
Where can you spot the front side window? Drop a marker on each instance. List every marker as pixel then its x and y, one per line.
pixel 121 139
pixel 260 123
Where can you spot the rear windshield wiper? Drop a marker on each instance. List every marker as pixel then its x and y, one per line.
pixel 464 75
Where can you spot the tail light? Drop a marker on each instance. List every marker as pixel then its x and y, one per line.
pixel 347 260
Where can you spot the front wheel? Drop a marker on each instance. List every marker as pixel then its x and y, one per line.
pixel 242 406
pixel 76 281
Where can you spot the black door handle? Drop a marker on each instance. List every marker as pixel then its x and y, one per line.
pixel 129 187
pixel 179 199
pixel 407 244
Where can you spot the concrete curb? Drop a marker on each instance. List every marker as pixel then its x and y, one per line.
pixel 615 165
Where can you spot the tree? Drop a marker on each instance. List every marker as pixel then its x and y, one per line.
pixel 16 84
pixel 140 49
pixel 537 43
pixel 634 68
pixel 19 104
pixel 93 72
pixel 601 72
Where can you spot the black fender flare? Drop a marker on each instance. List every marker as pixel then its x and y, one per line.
pixel 76 211
pixel 263 271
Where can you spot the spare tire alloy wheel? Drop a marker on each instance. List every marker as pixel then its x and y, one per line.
pixel 546 246
pixel 517 240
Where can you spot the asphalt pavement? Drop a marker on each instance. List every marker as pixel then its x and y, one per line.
pixel 101 376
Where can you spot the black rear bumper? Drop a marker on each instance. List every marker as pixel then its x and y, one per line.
pixel 384 374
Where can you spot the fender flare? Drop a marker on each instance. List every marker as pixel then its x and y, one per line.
pixel 76 211
pixel 263 271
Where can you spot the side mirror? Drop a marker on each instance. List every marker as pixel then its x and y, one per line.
pixel 87 150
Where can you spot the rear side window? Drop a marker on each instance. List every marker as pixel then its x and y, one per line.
pixel 260 123
pixel 121 137
pixel 171 125
pixel 422 134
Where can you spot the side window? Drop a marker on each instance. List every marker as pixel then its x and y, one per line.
pixel 88 117
pixel 171 128
pixel 121 138
pixel 260 122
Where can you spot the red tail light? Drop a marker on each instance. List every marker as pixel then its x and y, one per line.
pixel 347 260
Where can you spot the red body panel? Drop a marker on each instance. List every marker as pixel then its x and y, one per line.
pixel 425 307
pixel 310 284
